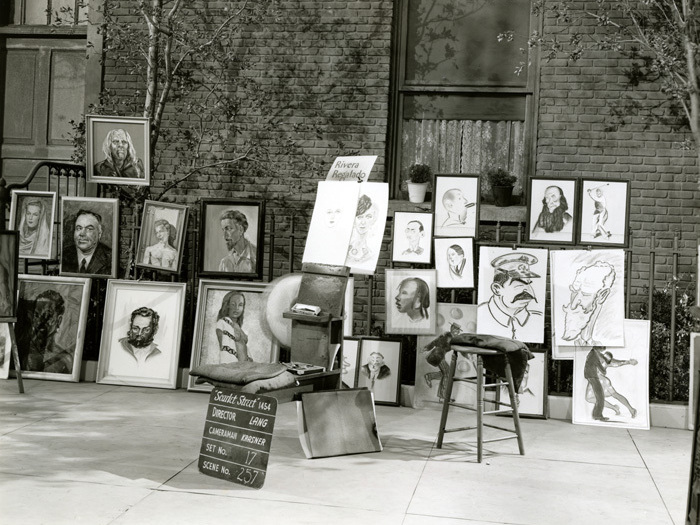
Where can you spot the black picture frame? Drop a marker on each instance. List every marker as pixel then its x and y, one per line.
pixel 212 244
pixel 401 249
pixel 390 348
pixel 154 215
pixel 539 218
pixel 613 219
pixel 9 270
pixel 465 187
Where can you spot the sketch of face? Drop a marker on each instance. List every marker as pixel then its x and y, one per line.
pixel 587 294
pixel 414 231
pixel 516 293
pixel 161 233
pixel 332 215
pixel 232 232
pixel 375 360
pixel 552 198
pixel 364 221
pixel 87 233
pixel 45 322
pixel 456 203
pixel 119 145
pixel 141 332
pixel 31 217
pixel 236 307
pixel 406 299
pixel 454 259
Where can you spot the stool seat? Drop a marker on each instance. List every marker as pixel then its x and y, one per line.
pixel 474 350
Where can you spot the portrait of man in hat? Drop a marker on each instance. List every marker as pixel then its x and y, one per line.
pixel 514 309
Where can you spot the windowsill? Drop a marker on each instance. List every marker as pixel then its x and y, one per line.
pixel 487 212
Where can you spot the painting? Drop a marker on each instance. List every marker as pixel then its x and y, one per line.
pixel 232 238
pixel 351 348
pixel 32 214
pixel 118 150
pixel 512 287
pixel 611 385
pixel 140 343
pixel 50 328
pixel 332 223
pixel 5 350
pixel 89 234
pixel 162 237
pixel 694 378
pixel 454 262
pixel 9 268
pixel 410 301
pixel 532 394
pixel 456 205
pixel 588 306
pixel 380 369
pixel 368 228
pixel 604 213
pixel 551 210
pixel 228 327
pixel 432 364
pixel 412 237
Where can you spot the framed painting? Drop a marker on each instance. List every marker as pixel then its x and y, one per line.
pixel 611 385
pixel 605 210
pixel 117 150
pixel 89 235
pixel 9 268
pixel 232 238
pixel 32 214
pixel 551 210
pixel 456 205
pixel 50 329
pixel 410 301
pixel 454 262
pixel 532 394
pixel 379 369
pixel 694 378
pixel 412 237
pixel 140 343
pixel 512 288
pixel 228 327
pixel 368 228
pixel 162 237
pixel 351 347
pixel 5 350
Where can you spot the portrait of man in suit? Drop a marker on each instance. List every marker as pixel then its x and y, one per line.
pixel 87 255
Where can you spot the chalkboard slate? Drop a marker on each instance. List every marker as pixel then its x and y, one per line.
pixel 237 437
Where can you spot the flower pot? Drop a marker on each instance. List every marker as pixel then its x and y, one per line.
pixel 502 195
pixel 416 191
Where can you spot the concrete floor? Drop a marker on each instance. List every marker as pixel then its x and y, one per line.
pixel 98 454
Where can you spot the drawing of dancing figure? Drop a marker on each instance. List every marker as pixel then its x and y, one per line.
pixel 600 214
pixel 598 393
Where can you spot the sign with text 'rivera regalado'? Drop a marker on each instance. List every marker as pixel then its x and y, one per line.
pixel 237 437
pixel 351 168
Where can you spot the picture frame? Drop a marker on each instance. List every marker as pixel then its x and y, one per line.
pixel 137 347
pixel 384 382
pixel 412 237
pixel 456 205
pixel 552 210
pixel 50 329
pixel 533 392
pixel 602 224
pixel 166 220
pixel 9 271
pixel 89 223
pixel 215 259
pixel 36 241
pixel 351 355
pixel 127 137
pixel 348 308
pixel 454 262
pixel 411 297
pixel 693 378
pixel 214 327
pixel 5 350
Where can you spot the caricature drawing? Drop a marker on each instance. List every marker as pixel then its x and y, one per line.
pixel 365 217
pixel 600 212
pixel 456 206
pixel 599 387
pixel 554 216
pixel 589 291
pixel 368 228
pixel 414 233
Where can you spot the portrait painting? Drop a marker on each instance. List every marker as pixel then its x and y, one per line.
pixel 9 268
pixel 348 374
pixel 332 222
pixel 456 205
pixel 5 350
pixel 32 214
pixel 89 235
pixel 604 213
pixel 512 288
pixel 588 306
pixel 50 329
pixel 232 238
pixel 532 394
pixel 162 237
pixel 410 301
pixel 551 209
pixel 433 361
pixel 454 262
pixel 368 228
pixel 229 327
pixel 611 384
pixel 694 378
pixel 141 333
pixel 379 369
pixel 117 150
pixel 412 237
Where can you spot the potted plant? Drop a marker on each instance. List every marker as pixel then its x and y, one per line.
pixel 419 177
pixel 502 183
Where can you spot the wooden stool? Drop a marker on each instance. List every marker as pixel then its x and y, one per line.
pixel 480 390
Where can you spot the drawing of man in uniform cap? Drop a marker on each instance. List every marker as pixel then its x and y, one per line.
pixel 506 313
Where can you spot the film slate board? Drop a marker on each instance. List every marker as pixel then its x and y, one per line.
pixel 237 437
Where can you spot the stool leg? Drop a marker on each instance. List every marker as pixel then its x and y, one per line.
pixel 479 407
pixel 446 400
pixel 513 402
